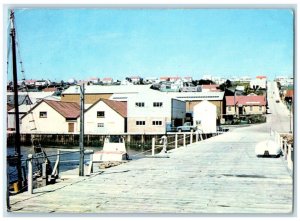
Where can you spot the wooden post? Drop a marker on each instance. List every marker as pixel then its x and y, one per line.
pixel 153 145
pixel 30 174
pixel 197 136
pixel 176 141
pixel 91 164
pixel 191 137
pixel 184 140
pixel 289 157
pixel 285 148
pixel 58 159
pixel 280 144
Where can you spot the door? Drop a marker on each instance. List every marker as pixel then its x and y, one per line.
pixel 71 127
pixel 240 110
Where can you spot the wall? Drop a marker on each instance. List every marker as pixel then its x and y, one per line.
pixel 246 110
pixel 149 113
pixel 54 123
pixel 113 122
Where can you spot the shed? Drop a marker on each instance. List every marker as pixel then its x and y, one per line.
pixel 205 115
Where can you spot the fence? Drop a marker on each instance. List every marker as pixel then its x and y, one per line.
pixel 45 177
pixel 286 148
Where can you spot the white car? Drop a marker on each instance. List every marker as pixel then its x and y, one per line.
pixel 267 148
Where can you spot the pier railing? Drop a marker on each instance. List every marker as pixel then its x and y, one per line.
pixel 45 177
pixel 178 139
pixel 287 148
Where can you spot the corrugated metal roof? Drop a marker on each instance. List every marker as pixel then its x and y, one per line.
pixel 189 96
pixel 66 109
pixel 246 100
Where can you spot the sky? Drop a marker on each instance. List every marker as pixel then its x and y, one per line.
pixel 59 44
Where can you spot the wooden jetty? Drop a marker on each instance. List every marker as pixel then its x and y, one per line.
pixel 220 175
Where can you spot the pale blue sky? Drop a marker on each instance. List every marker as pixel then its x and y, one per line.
pixel 59 44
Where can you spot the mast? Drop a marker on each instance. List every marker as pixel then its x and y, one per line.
pixel 16 102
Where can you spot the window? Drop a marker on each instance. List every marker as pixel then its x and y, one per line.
pixel 140 122
pixel 157 122
pixel 100 114
pixel 140 104
pixel 100 124
pixel 157 104
pixel 229 108
pixel 43 114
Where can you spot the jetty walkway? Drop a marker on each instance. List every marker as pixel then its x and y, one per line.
pixel 217 175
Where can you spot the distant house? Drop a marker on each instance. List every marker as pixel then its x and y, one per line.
pixel 94 80
pixel 107 80
pixel 106 117
pixel 42 83
pixel 188 79
pixel 170 78
pixel 259 82
pixel 210 87
pixel 52 117
pixel 155 114
pixel 135 79
pixel 245 105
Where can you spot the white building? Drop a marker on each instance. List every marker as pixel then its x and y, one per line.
pixel 153 113
pixel 52 117
pixel 106 117
pixel 205 115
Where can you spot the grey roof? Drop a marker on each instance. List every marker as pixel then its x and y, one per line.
pixel 100 89
pixel 196 96
pixel 21 99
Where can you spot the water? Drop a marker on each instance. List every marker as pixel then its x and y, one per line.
pixel 68 161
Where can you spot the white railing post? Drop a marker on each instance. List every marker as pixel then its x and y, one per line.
pixel 289 157
pixel 91 164
pixel 285 149
pixel 30 174
pixel 153 145
pixel 191 137
pixel 280 144
pixel 184 140
pixel 197 136
pixel 176 141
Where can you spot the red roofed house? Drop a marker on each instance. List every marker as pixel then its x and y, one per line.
pixel 52 117
pixel 107 80
pixel 106 117
pixel 210 87
pixel 245 105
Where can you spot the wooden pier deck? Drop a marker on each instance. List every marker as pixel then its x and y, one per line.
pixel 218 175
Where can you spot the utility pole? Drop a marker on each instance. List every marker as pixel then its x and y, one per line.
pixel 16 100
pixel 290 102
pixel 81 138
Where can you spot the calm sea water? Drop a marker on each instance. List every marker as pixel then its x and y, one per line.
pixel 67 161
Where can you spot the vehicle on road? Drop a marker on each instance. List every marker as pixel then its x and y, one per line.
pixel 187 126
pixel 267 148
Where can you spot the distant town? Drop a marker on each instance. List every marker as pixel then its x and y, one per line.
pixel 142 106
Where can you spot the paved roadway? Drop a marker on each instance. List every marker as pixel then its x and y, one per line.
pixel 218 175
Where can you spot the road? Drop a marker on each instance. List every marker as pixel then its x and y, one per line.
pixel 220 175
pixel 279 119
